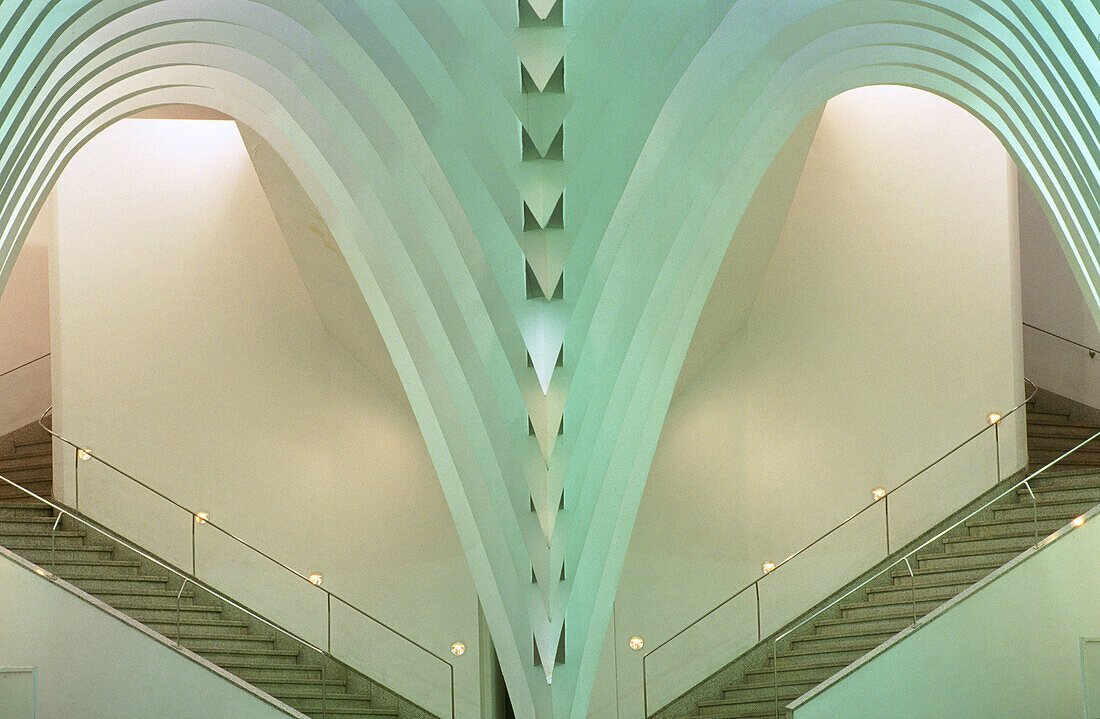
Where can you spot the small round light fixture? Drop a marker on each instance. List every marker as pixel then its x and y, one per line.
pixel 84 454
pixel 458 649
pixel 201 518
pixel 1078 521
pixel 768 567
pixel 878 493
pixel 636 643
pixel 994 417
pixel 316 579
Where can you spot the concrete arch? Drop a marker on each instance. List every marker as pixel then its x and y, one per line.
pixel 369 167
pixel 401 116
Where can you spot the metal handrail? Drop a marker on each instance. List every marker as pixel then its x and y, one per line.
pixel 1091 350
pixel 197 518
pixel 885 499
pixel 1025 482
pixel 5 373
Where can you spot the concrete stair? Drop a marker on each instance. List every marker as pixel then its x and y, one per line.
pixel 270 661
pixel 26 458
pixel 874 614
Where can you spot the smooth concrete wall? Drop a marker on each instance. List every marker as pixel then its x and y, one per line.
pixel 192 357
pixel 91 664
pixel 1010 649
pixel 1052 301
pixel 886 328
pixel 25 330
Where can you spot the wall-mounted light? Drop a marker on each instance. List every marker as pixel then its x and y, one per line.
pixel 768 567
pixel 878 493
pixel 84 454
pixel 994 417
pixel 316 579
pixel 458 649
pixel 636 643
pixel 201 518
pixel 1078 521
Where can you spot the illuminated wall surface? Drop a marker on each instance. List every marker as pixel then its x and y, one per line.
pixel 534 201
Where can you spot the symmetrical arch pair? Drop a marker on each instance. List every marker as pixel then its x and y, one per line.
pixel 402 120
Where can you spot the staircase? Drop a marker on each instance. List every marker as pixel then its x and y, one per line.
pixel 873 615
pixel 26 458
pixel 213 629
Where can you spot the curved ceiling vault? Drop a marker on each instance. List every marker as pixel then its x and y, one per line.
pixel 534 197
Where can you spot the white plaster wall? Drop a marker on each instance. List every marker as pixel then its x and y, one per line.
pixel 90 664
pixel 1011 649
pixel 1052 300
pixel 886 328
pixel 25 330
pixel 192 356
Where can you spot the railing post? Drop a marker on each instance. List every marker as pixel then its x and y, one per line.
pixel 759 633
pixel 912 589
pixel 178 601
pixel 328 599
pixel 194 521
pixel 886 513
pixel 324 699
pixel 775 674
pixel 1034 512
pixel 53 543
pixel 645 690
pixel 76 480
pixel 997 448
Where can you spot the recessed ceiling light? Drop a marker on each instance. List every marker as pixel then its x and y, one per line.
pixel 878 493
pixel 316 579
pixel 636 643
pixel 201 517
pixel 768 567
pixel 458 649
pixel 994 417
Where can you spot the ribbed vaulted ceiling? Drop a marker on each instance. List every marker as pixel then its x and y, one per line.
pixel 534 198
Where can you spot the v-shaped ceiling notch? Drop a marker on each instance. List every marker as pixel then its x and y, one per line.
pixel 555 221
pixel 555 150
pixel 553 83
pixel 536 290
pixel 536 13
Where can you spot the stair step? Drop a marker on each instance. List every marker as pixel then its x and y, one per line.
pixel 257 669
pixel 271 657
pixel 854 638
pixel 737 706
pixel 966 559
pixel 167 627
pixel 810 671
pixel 43 459
pixel 358 713
pixel 1046 510
pixel 1059 494
pixel 1019 541
pixel 944 576
pixel 40 553
pixel 19 475
pixel 273 685
pixel 25 509
pixel 310 701
pixel 23 449
pixel 1001 527
pixel 215 642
